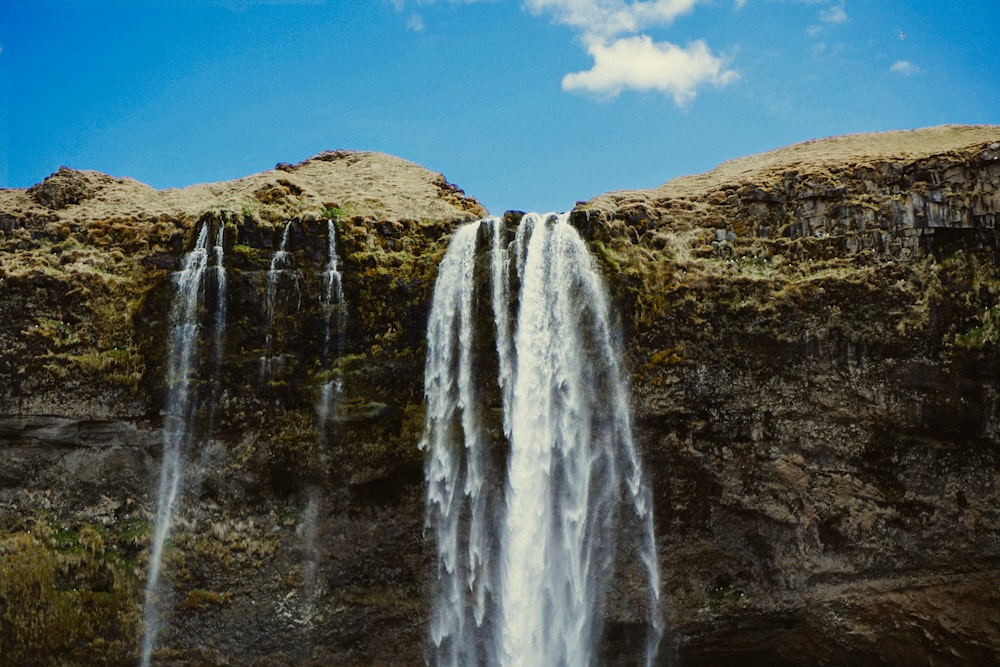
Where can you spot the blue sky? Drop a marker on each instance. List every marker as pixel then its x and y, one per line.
pixel 526 104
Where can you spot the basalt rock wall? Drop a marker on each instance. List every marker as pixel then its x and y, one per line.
pixel 813 339
pixel 812 335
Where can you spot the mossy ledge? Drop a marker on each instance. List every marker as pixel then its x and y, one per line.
pixel 812 335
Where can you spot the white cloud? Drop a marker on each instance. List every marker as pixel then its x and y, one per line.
pixel 625 58
pixel 834 14
pixel 415 23
pixel 606 19
pixel 638 63
pixel 904 67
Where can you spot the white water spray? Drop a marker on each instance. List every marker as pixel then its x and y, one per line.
pixel 456 502
pixel 336 319
pixel 282 267
pixel 180 409
pixel 219 332
pixel 534 596
pixel 332 302
pixel 220 312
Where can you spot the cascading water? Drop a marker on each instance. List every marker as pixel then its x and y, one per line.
pixel 220 312
pixel 190 285
pixel 336 314
pixel 219 333
pixel 534 594
pixel 455 482
pixel 332 301
pixel 282 267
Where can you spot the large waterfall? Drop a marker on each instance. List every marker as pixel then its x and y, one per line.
pixel 524 567
pixel 191 284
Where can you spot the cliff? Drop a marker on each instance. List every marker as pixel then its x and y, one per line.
pixel 86 266
pixel 814 340
pixel 812 334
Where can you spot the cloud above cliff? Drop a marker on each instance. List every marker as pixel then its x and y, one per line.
pixel 616 35
pixel 604 20
pixel 834 14
pixel 638 63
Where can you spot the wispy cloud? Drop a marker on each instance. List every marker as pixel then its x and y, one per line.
pixel 904 67
pixel 638 63
pixel 607 19
pixel 415 23
pixel 834 14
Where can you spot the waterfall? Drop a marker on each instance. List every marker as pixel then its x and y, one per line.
pixel 220 313
pixel 523 569
pixel 333 304
pixel 181 406
pixel 219 331
pixel 454 485
pixel 282 266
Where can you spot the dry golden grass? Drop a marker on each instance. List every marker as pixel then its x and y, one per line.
pixel 358 183
pixel 816 156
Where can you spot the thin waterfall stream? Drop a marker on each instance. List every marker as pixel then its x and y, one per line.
pixel 191 294
pixel 282 268
pixel 334 330
pixel 524 567
pixel 327 407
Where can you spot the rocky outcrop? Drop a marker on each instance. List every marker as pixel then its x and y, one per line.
pixel 813 338
pixel 888 194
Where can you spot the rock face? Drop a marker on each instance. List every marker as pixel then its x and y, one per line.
pixel 813 336
pixel 271 494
